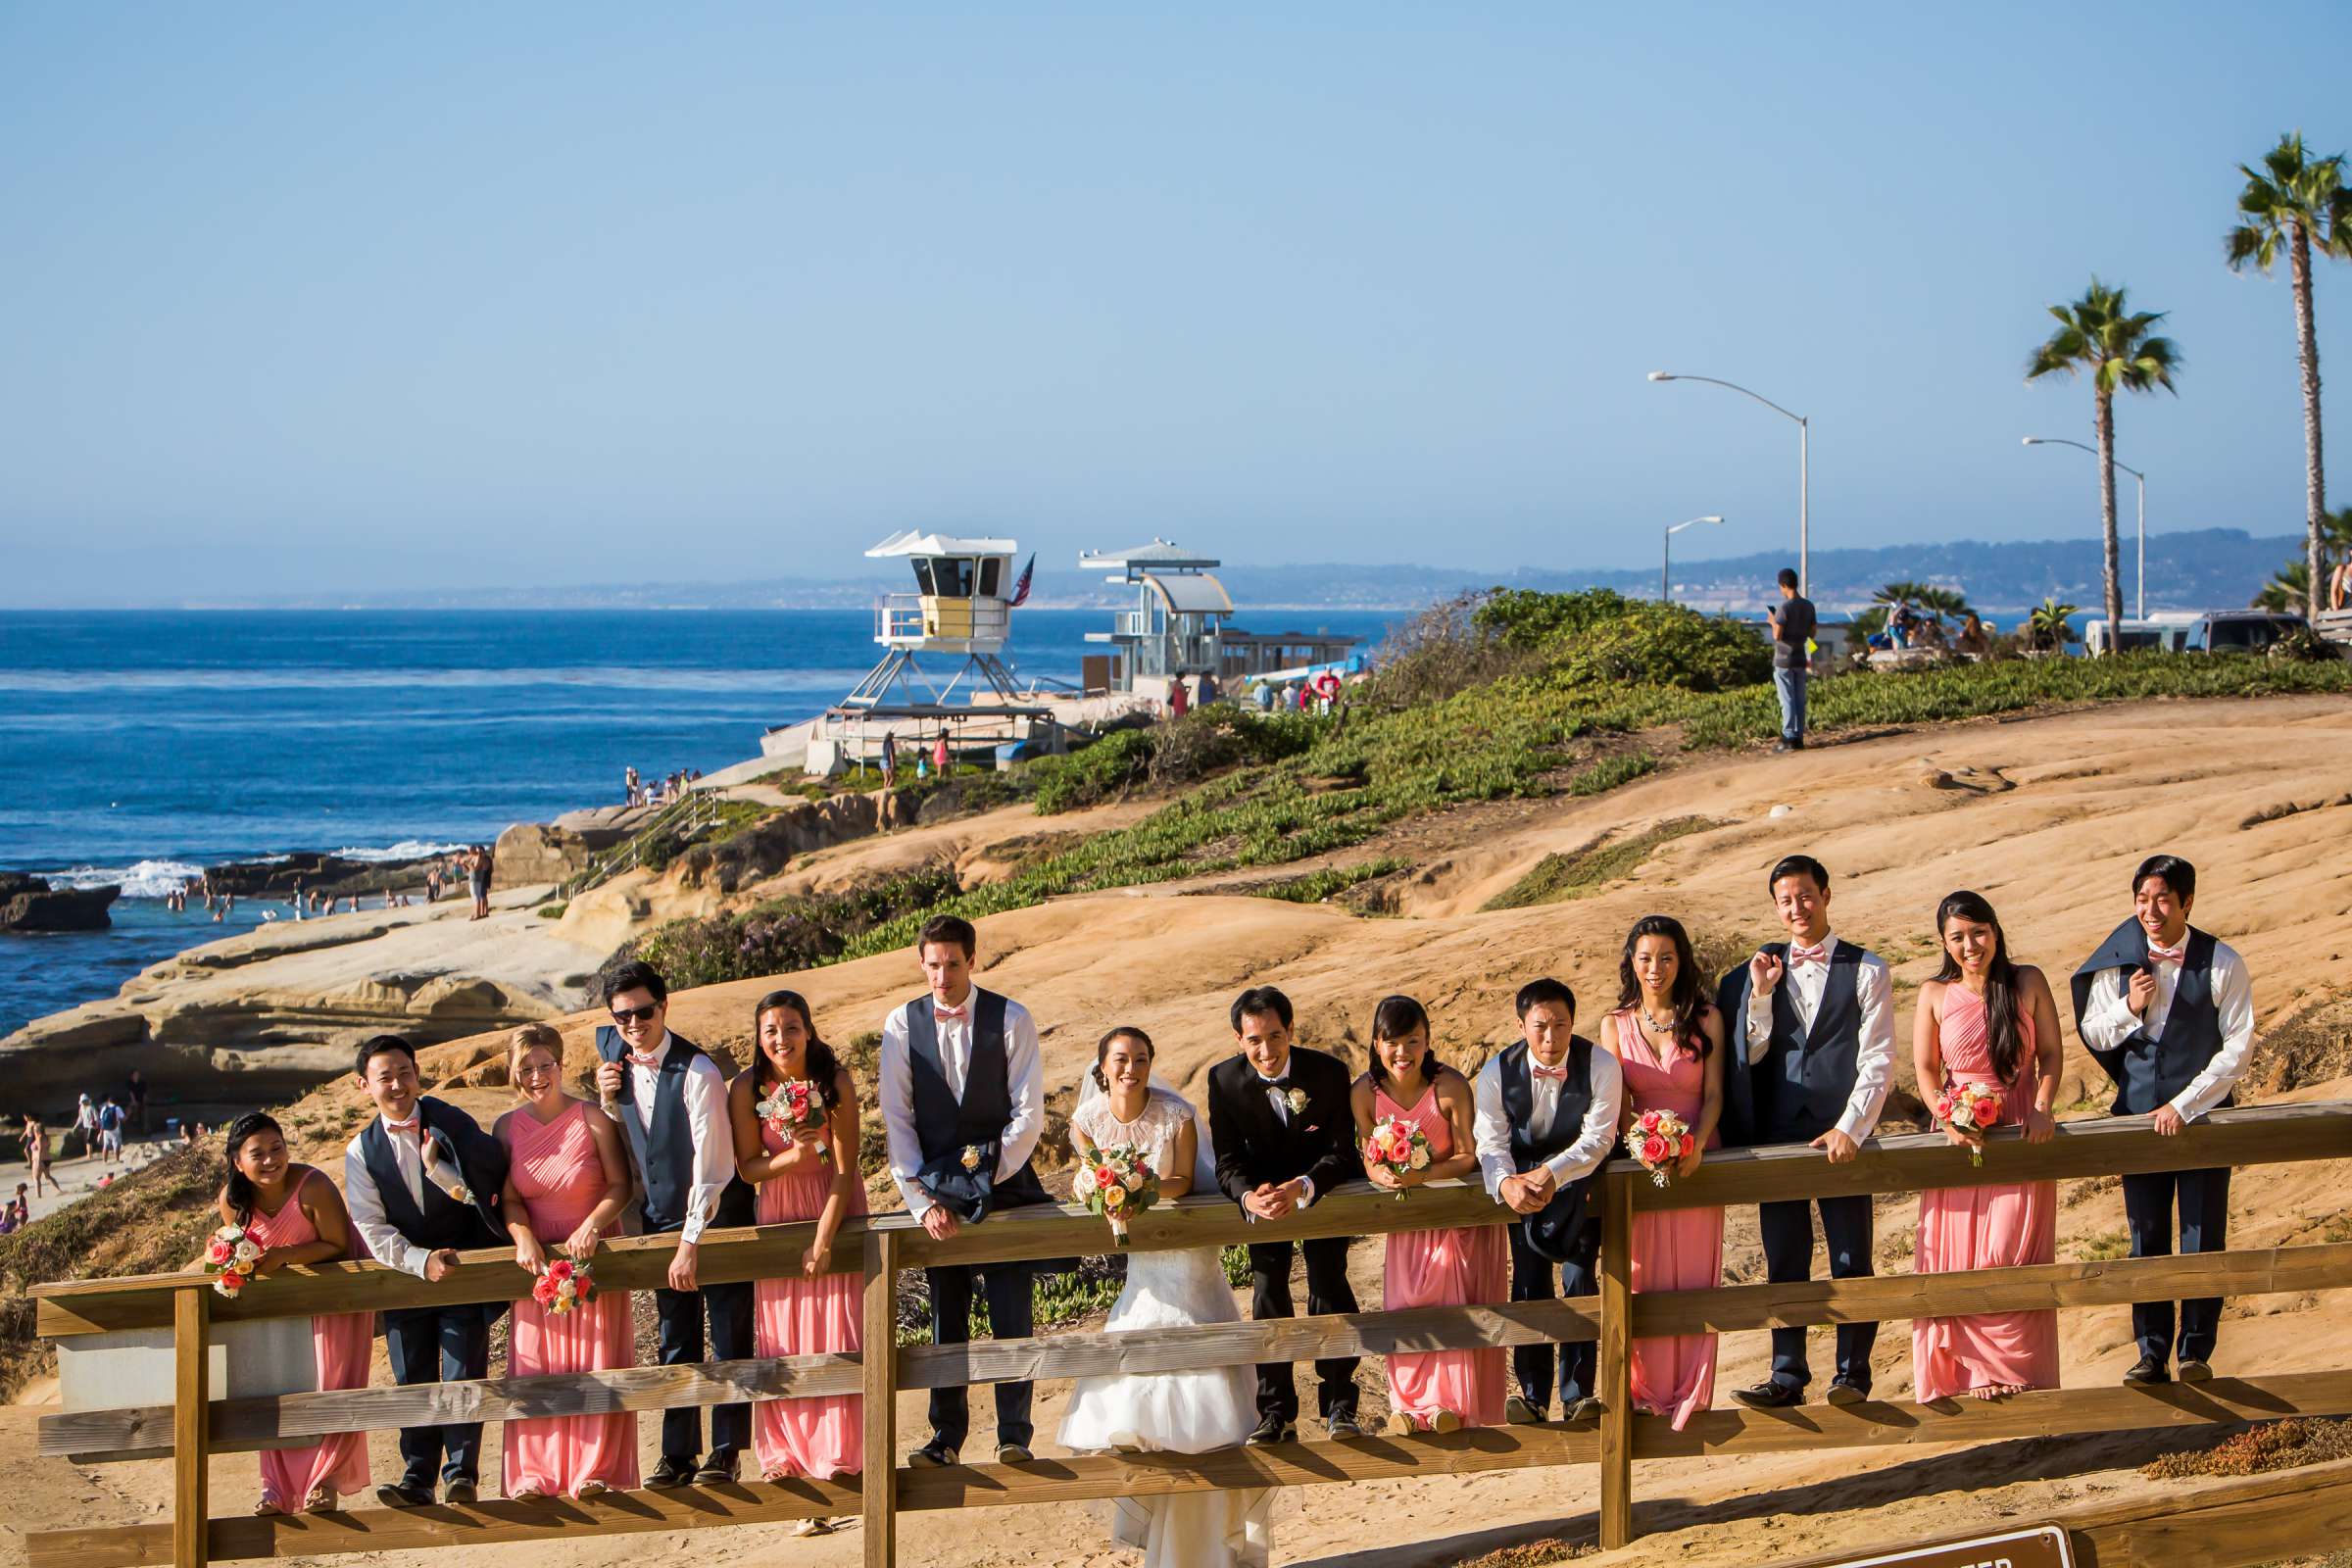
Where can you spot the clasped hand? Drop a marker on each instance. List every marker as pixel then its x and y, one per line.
pixel 1272 1201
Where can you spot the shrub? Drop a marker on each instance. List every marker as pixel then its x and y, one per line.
pixel 783 935
pixel 1112 766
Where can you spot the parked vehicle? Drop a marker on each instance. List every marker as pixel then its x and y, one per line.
pixel 2166 631
pixel 2239 631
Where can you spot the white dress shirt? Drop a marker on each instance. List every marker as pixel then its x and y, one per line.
pixel 2108 1021
pixel 1025 1081
pixel 704 1096
pixel 1593 1141
pixel 367 1205
pixel 1874 1059
pixel 1278 1094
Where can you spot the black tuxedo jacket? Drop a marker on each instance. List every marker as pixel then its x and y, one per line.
pixel 1255 1147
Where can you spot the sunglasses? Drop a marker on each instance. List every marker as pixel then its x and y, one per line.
pixel 644 1014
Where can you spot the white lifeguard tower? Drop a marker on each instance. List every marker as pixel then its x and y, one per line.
pixel 961 609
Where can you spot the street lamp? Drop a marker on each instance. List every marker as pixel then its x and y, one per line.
pixel 1804 484
pixel 1666 567
pixel 2139 588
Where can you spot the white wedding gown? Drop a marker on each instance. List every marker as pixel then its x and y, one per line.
pixel 1183 1413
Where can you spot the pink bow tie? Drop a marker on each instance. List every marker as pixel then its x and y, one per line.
pixel 957 1013
pixel 1557 1074
pixel 1798 956
pixel 651 1058
pixel 2167 955
pixel 408 1126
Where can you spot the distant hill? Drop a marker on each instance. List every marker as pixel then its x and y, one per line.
pixel 2209 568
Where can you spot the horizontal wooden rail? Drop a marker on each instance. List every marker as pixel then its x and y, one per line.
pixel 2048 1412
pixel 1905 1162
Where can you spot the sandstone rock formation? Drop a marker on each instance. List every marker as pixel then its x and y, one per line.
pixel 31 903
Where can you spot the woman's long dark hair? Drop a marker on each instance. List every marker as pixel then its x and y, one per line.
pixel 2004 1042
pixel 1393 1019
pixel 824 1066
pixel 239 1189
pixel 1689 995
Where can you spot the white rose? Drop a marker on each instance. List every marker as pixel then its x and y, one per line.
pixel 1134 1181
pixel 1420 1157
pixel 247 1252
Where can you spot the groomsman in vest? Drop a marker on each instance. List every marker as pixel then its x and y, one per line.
pixel 1544 1113
pixel 1820 1058
pixel 1285 1134
pixel 963 1100
pixel 671 1099
pixel 422 1180
pixel 2169 1012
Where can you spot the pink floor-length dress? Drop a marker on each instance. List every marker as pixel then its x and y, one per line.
pixel 2004 1225
pixel 1674 1249
pixel 555 1168
pixel 1464 1266
pixel 343 1343
pixel 823 1436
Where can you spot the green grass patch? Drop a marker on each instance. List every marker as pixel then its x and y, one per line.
pixel 1620 768
pixel 2104 1247
pixel 1317 886
pixel 552 912
pixel 1558 878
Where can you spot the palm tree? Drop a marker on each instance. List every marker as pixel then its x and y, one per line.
pixel 2298 202
pixel 2121 350
pixel 2288 589
pixel 2047 630
pixel 1925 596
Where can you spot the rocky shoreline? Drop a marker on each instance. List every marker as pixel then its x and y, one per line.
pixel 31 903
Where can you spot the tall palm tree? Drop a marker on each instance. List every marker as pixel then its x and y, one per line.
pixel 2122 351
pixel 2286 591
pixel 1926 596
pixel 2299 203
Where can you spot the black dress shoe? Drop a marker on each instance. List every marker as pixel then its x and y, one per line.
pixel 671 1473
pixel 405 1496
pixel 2146 1371
pixel 718 1470
pixel 1844 1391
pixel 1343 1424
pixel 1770 1395
pixel 1272 1428
pixel 937 1454
pixel 460 1491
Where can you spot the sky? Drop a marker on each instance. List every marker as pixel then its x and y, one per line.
pixel 295 299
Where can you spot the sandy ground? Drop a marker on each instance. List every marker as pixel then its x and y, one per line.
pixel 2044 815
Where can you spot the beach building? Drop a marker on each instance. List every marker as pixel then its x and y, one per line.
pixel 1180 626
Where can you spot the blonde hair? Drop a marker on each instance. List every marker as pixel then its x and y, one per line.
pixel 526 1038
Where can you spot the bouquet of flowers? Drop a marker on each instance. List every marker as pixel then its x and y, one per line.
pixel 229 1259
pixel 1970 1109
pixel 1396 1147
pixel 564 1286
pixel 1117 1183
pixel 1657 1141
pixel 796 1107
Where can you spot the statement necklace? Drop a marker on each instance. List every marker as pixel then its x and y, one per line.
pixel 1666 1028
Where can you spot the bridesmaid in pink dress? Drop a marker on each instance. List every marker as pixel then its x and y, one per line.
pixel 295 1214
pixel 1432 1390
pixel 803 1174
pixel 1667 1040
pixel 1956 1039
pixel 567 1184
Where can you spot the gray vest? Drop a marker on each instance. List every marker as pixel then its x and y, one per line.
pixel 1807 1075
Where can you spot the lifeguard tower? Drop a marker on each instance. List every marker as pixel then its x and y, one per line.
pixel 961 609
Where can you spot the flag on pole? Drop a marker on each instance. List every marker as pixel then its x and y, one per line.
pixel 1020 590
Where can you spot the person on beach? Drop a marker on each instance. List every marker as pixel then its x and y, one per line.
pixel 939 754
pixel 1668 1042
pixel 1192 1411
pixel 477 876
pixel 1989 1022
pixel 19 1212
pixel 2168 1013
pixel 1280 1116
pixel 1179 699
pixel 568 1181
pixel 1792 622
pixel 670 1099
pixel 963 1104
pixel 801 1173
pixel 294 1214
pixel 1431 1391
pixel 36 1156
pixel 1815 1015
pixel 890 759
pixel 422 1180
pixel 1544 1113
pixel 85 1125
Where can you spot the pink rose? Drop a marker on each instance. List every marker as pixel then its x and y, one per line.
pixel 1653 1149
pixel 559 1269
pixel 1689 1145
pixel 1105 1177
pixel 1988 1113
pixel 218 1252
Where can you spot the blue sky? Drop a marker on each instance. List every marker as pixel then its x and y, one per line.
pixel 301 298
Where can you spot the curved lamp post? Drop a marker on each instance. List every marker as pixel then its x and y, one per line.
pixel 1666 566
pixel 1804 483
pixel 2139 588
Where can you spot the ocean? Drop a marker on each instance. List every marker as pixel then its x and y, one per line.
pixel 137 747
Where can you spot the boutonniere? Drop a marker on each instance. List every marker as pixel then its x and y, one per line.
pixel 1296 1099
pixel 971 1157
pixel 448 1180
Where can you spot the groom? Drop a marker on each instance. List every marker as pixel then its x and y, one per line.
pixel 422 1180
pixel 1820 1058
pixel 1278 1116
pixel 2169 1012
pixel 963 1100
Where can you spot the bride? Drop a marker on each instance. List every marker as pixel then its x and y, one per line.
pixel 1184 1412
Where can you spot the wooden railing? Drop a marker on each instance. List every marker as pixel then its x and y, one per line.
pixel 196 1425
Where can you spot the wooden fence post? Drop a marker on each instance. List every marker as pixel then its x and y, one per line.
pixel 1616 1363
pixel 191 1500
pixel 881 1352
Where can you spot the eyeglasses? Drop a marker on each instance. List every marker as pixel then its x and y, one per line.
pixel 644 1014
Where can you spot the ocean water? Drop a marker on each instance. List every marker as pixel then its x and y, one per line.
pixel 137 745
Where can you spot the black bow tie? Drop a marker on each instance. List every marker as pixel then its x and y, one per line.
pixel 1283 1082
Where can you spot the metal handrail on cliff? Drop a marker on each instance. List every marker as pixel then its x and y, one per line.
pixel 686 815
